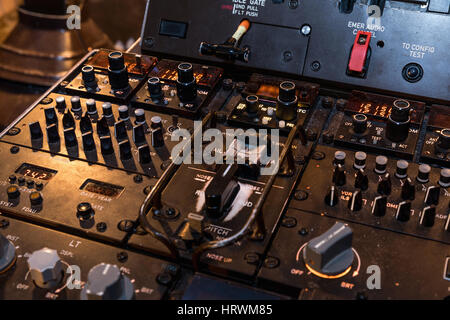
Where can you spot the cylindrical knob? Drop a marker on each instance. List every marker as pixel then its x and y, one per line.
pixel 399 120
pixel 332 197
pixel 140 116
pixel 287 101
pixel 85 211
pixel 61 103
pixel 117 71
pixel 36 198
pixel 444 139
pixel 360 160
pixel 339 157
pixel 106 282
pixel 444 179
pixel 408 190
pixel 252 103
pixel 76 104
pixel 331 253
pixel 381 164
pixel 186 83
pixel 423 175
pixel 13 193
pixel 385 185
pixel 155 89
pixel 46 268
pixel 91 107
pixel 88 76
pixel 339 176
pixel 124 113
pixel 156 122
pixel 359 123
pixel 402 169
pixel 7 253
pixel 361 180
pixel 107 110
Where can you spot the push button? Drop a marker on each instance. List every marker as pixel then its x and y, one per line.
pixel 360 55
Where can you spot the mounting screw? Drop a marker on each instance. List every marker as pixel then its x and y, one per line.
pixel 149 42
pixel 13 131
pixel 251 258
pixel 301 195
pixel 293 4
pixel 315 66
pixel 4 223
pixel 14 149
pixel 303 232
pixel 122 256
pixel 164 278
pixel 138 178
pixel 287 56
pixel 289 222
pixel 306 30
pixel 271 262
pixel 101 227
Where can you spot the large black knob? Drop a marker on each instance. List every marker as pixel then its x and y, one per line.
pixel 88 76
pixel 7 253
pixel 408 190
pixel 359 123
pixel 186 83
pixel 428 216
pixel 444 139
pixel 117 71
pixel 432 195
pixel 361 180
pixel 444 179
pixel 403 211
pixel 287 101
pixel 252 104
pixel 331 253
pixel 155 89
pixel 399 120
pixel 385 185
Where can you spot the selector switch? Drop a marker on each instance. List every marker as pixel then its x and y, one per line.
pixel 68 120
pixel 117 71
pixel 7 254
pixel 155 89
pixel 339 176
pixel 88 76
pixel 106 282
pixel 330 254
pixel 385 185
pixel 287 101
pixel 140 116
pixel 399 120
pixel 125 150
pixel 359 123
pixel 85 124
pixel 103 127
pixel 427 216
pixel 70 138
pixel 91 107
pixel 46 268
pixel 144 154
pixel 50 116
pixel 361 180
pixel 53 134
pixel 432 195
pixel 408 190
pixel 356 201
pixel 332 197
pixel 186 83
pixel 107 110
pixel 339 157
pixel 381 164
pixel 379 206
pixel 252 104
pixel 403 211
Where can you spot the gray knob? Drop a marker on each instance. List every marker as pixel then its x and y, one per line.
pixel 7 253
pixel 46 268
pixel 106 282
pixel 331 253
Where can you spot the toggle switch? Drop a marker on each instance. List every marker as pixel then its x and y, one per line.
pixel 361 180
pixel 403 211
pixel 360 55
pixel 356 201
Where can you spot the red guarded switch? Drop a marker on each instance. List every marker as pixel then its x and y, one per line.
pixel 360 54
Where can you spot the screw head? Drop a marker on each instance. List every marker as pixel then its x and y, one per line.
pixel 293 4
pixel 101 227
pixel 13 131
pixel 289 222
pixel 303 232
pixel 14 149
pixel 306 30
pixel 138 178
pixel 251 258
pixel 271 262
pixel 4 223
pixel 122 256
pixel 301 195
pixel 149 42
pixel 164 278
pixel 315 66
pixel 287 56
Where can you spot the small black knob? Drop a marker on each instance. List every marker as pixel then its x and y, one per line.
pixel 68 120
pixel 403 211
pixel 140 116
pixel 379 206
pixel 397 128
pixel 124 113
pixel 381 164
pixel 287 101
pixel 356 201
pixel 408 190
pixel 359 123
pixel 444 179
pixel 13 193
pixel 91 107
pixel 61 103
pixel 155 89
pixel 144 154
pixel 76 104
pixel 332 197
pixel 107 110
pixel 125 150
pixel 360 160
pixel 385 185
pixel 444 139
pixel 339 176
pixel 85 211
pixel 186 83
pixel 423 175
pixel 252 104
pixel 402 169
pixel 35 131
pixel 36 198
pixel 88 76
pixel 156 122
pixel 117 71
pixel 432 195
pixel 427 216
pixel 361 180
pixel 339 157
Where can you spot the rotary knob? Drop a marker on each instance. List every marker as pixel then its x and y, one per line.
pixel 186 83
pixel 252 103
pixel 46 268
pixel 399 120
pixel 106 282
pixel 359 122
pixel 7 254
pixel 330 254
pixel 287 101
pixel 444 139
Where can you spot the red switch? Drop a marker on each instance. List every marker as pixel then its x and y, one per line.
pixel 359 57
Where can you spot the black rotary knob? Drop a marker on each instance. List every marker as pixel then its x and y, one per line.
pixel 287 101
pixel 50 116
pixel 88 141
pixel 444 179
pixel 85 211
pixel 423 174
pixel 70 138
pixel 186 83
pixel 339 157
pixel 91 107
pixel 68 121
pixel 379 206
pixel 13 193
pixel 155 89
pixel 432 195
pixel 88 76
pixel 106 145
pixel 144 154
pixel 117 71
pixel 360 160
pixel 408 190
pixel 361 180
pixel 120 131
pixel 85 124
pixel 125 150
pixel 35 131
pixel 399 120
pixel 359 123
pixel 61 103
pixel 124 113
pixel 402 169
pixel 140 116
pixel 385 185
pixel 381 164
pixel 332 197
pixel 428 216
pixel 403 211
pixel 107 110
pixel 156 122
pixel 356 201
pixel 252 104
pixel 36 198
pixel 444 139
pixel 157 138
pixel 76 104
pixel 339 175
